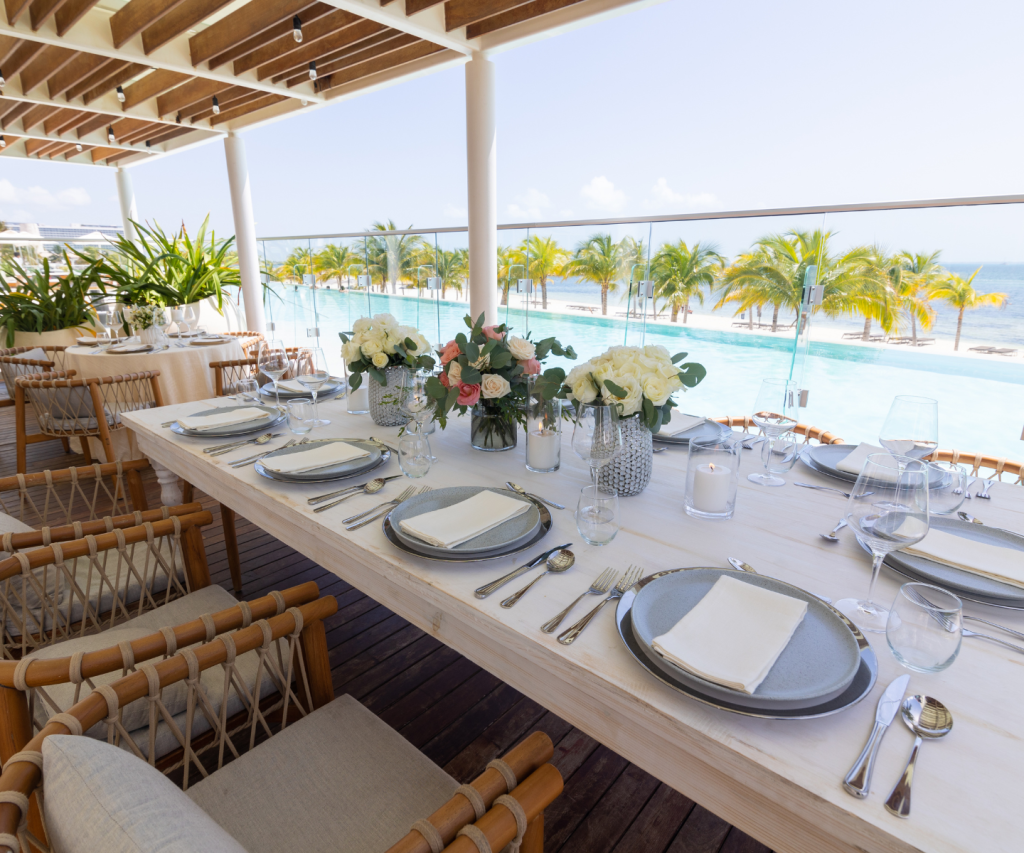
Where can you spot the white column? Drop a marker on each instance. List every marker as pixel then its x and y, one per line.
pixel 482 169
pixel 126 195
pixel 245 232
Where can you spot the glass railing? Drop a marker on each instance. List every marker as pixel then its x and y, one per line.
pixel 857 304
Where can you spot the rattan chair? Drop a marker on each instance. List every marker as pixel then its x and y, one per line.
pixel 998 465
pixel 249 341
pixel 809 433
pixel 333 778
pixel 13 364
pixel 84 408
pixel 227 374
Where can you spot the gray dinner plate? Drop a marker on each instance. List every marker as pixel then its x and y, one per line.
pixel 329 389
pixel 508 535
pixel 964 584
pixel 235 429
pixel 818 664
pixel 708 429
pixel 378 456
pixel 823 458
pixel 861 685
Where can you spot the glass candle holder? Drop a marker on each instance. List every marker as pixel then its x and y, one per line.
pixel 543 433
pixel 712 474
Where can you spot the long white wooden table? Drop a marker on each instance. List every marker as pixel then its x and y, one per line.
pixel 779 781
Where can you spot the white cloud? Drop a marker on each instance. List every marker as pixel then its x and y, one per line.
pixel 529 205
pixel 601 194
pixel 664 198
pixel 41 197
pixel 566 212
pixel 452 211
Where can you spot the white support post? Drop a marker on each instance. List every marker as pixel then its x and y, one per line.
pixel 482 175
pixel 245 232
pixel 126 196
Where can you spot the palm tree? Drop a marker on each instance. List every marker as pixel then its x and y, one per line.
pixel 862 282
pixel 960 293
pixel 543 258
pixel 452 268
pixel 920 273
pixel 395 254
pixel 334 261
pixel 680 273
pixel 508 260
pixel 597 259
pixel 296 265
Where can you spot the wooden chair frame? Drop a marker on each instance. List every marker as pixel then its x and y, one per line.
pixel 11 367
pixel 249 347
pixel 976 461
pixel 810 433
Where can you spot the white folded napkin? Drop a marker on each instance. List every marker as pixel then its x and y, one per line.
pixel 453 525
pixel 681 423
pixel 853 463
pixel 222 418
pixel 293 385
pixel 130 348
pixel 734 634
pixel 980 558
pixel 87 342
pixel 317 456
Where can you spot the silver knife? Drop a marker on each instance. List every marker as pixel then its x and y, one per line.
pixel 858 780
pixel 487 589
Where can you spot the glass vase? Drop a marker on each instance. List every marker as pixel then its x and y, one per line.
pixel 543 432
pixel 630 472
pixel 386 400
pixel 491 429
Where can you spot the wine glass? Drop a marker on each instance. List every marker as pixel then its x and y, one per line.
pixel 775 414
pixel 106 316
pixel 414 453
pixel 596 435
pixel 274 362
pixel 416 402
pixel 312 372
pixel 911 428
pixel 191 318
pixel 887 510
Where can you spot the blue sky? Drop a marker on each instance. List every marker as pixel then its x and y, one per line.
pixel 674 108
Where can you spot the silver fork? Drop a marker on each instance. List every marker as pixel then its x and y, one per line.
pixel 258 442
pixel 983 494
pixel 598 587
pixel 629 577
pixel 403 496
pixel 290 443
pixel 949 624
pixel 215 447
pixel 392 504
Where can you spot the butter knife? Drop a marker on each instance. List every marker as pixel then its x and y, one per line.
pixel 487 589
pixel 858 780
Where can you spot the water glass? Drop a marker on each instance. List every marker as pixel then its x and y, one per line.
pixel 948 497
pixel 247 392
pixel 911 428
pixel 312 372
pixel 779 455
pixel 597 435
pixel 775 414
pixel 925 627
pixel 414 454
pixel 597 515
pixel 712 475
pixel 300 416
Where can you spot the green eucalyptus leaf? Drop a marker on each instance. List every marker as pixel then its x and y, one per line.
pixel 617 391
pixel 354 381
pixel 500 359
pixel 379 376
pixel 691 374
pixel 470 375
pixel 678 357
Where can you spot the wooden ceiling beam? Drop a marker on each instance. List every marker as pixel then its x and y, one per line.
pixel 58 119
pixel 40 11
pixel 302 70
pixel 15 9
pixel 151 86
pixel 97 121
pixel 342 38
pixel 85 150
pixel 120 155
pixel 177 21
pixel 70 13
pixel 64 148
pixel 462 13
pixel 35 116
pixel 49 61
pixel 6 105
pixel 384 63
pixel 250 107
pixel 188 93
pixel 79 119
pixel 101 153
pixel 252 19
pixel 125 127
pixel 284 28
pixel 232 100
pixel 516 16
pixel 7 47
pixel 47 146
pixel 33 145
pixel 21 56
pixel 19 109
pixel 172 133
pixel 132 18
pixel 9 140
pixel 77 69
pixel 122 76
pixel 104 72
pixel 414 6
pixel 335 62
pixel 142 134
pixel 285 44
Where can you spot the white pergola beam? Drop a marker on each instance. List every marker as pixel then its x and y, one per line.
pixel 427 25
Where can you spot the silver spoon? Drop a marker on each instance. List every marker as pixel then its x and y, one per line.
pixel 521 491
pixel 263 439
pixel 831 537
pixel 966 516
pixel 370 488
pixel 560 561
pixel 926 718
pixel 830 489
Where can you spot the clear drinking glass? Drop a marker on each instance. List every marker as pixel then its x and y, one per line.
pixel 414 453
pixel 775 414
pixel 597 515
pixel 106 313
pixel 911 428
pixel 543 431
pixel 597 435
pixel 416 403
pixel 247 392
pixel 712 474
pixel 779 455
pixel 925 627
pixel 887 510
pixel 948 497
pixel 300 416
pixel 274 362
pixel 191 318
pixel 312 372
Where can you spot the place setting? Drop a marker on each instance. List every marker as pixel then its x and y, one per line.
pixel 225 421
pixel 682 428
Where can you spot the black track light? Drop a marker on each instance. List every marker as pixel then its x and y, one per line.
pixel 120 94
pixel 297 29
pixel 312 70
pixel 2 81
pixel 110 135
pixel 78 146
pixel 216 106
pixel 3 142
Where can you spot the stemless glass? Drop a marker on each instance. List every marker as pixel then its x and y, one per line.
pixel 887 510
pixel 300 416
pixel 312 372
pixel 247 392
pixel 106 313
pixel 597 435
pixel 274 362
pixel 949 495
pixel 414 454
pixel 597 515
pixel 925 627
pixel 775 414
pixel 779 455
pixel 911 428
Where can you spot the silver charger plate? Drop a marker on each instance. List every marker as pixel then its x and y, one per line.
pixel 823 458
pixel 545 526
pixel 818 664
pixel 235 429
pixel 514 531
pixel 209 341
pixel 329 389
pixel 129 349
pixel 708 429
pixel 863 681
pixel 378 456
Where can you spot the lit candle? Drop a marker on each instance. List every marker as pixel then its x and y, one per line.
pixel 711 488
pixel 542 449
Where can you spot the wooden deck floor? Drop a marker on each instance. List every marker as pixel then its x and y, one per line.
pixel 457 713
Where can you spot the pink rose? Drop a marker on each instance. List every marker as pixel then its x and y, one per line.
pixel 530 366
pixel 443 379
pixel 490 334
pixel 468 394
pixel 451 350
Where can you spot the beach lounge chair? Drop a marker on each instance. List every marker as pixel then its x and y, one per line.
pixel 1004 351
pixel 983 349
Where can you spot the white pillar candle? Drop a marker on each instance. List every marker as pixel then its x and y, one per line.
pixel 711 488
pixel 542 448
pixel 360 399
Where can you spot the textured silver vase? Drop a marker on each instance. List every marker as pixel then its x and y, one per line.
pixel 386 400
pixel 630 473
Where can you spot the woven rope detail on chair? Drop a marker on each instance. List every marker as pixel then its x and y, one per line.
pixel 430 834
pixel 514 806
pixel 26 756
pixel 476 835
pixel 506 773
pixel 475 799
pixel 70 722
pixel 171 640
pixel 246 613
pixel 279 601
pixel 21 673
pixel 211 628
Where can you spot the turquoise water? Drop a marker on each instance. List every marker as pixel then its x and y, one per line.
pixel 981 402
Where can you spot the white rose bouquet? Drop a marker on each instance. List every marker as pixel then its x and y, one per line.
pixel 146 316
pixel 377 343
pixel 637 380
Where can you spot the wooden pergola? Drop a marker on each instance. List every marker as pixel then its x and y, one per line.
pixel 114 83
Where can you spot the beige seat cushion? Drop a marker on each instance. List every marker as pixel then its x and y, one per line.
pixel 51 580
pixel 337 781
pixel 100 798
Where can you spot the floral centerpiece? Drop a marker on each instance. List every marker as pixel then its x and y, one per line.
pixel 639 382
pixel 487 371
pixel 386 350
pixel 146 321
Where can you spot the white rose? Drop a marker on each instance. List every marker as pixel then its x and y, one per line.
pixel 351 352
pixel 578 371
pixel 361 326
pixel 387 322
pixel 481 363
pixel 379 360
pixel 521 349
pixel 656 389
pixel 454 372
pixel 584 390
pixel 633 400
pixel 493 386
pixel 388 342
pixel 371 347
